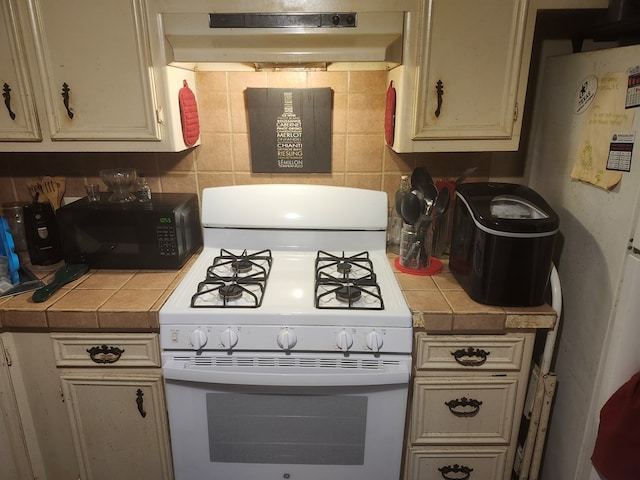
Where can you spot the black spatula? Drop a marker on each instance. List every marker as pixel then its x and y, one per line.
pixel 63 275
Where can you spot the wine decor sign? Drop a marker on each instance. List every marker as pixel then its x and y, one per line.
pixel 290 129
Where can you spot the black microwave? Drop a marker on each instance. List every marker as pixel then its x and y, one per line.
pixel 160 234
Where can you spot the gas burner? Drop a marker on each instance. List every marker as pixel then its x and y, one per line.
pixel 346 282
pixel 234 280
pixel 230 292
pixel 343 267
pixel 348 294
pixel 241 266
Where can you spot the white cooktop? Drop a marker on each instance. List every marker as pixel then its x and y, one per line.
pixel 289 297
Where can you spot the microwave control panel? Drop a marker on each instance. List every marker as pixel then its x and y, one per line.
pixel 166 236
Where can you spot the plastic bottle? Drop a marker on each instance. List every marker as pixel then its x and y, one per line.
pixel 144 191
pixel 395 220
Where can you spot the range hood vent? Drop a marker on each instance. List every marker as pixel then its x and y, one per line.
pixel 285 38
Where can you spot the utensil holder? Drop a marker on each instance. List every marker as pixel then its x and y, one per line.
pixel 415 245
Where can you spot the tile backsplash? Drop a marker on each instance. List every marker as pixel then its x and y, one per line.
pixel 359 155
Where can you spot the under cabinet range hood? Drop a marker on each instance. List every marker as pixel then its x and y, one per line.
pixel 264 37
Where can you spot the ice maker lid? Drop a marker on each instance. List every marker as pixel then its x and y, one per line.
pixel 516 208
pixel 508 209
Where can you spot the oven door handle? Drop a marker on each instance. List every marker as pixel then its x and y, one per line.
pixel 285 378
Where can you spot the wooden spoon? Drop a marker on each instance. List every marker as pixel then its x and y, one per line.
pixel 50 189
pixel 62 188
pixel 36 187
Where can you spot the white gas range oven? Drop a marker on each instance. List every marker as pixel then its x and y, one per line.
pixel 287 345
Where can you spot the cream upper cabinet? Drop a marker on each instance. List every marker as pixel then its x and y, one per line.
pixel 465 88
pixel 18 120
pixel 468 77
pixel 94 59
pixel 87 75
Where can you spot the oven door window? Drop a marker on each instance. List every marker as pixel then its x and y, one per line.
pixel 286 429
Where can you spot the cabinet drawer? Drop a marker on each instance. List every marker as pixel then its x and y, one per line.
pixel 104 350
pixel 456 463
pixel 469 352
pixel 463 410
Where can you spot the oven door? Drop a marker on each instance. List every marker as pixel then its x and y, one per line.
pixel 276 416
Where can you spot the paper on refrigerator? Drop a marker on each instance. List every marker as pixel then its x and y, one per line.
pixel 603 100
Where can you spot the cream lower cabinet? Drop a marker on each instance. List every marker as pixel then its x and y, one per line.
pixel 14 456
pixel 41 416
pixel 113 390
pixel 468 395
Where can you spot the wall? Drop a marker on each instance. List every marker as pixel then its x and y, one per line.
pixel 360 157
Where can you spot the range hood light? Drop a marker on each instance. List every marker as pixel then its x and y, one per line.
pixel 291 67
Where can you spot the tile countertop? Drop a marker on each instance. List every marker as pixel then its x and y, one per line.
pixel 129 300
pixel 108 300
pixel 439 305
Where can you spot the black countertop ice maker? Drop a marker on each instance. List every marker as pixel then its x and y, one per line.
pixel 502 243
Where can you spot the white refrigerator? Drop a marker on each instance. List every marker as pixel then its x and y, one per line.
pixel 598 345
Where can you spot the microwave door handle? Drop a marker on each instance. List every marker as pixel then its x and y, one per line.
pixel 285 378
pixel 182 229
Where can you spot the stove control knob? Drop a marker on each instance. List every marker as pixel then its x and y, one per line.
pixel 374 341
pixel 344 340
pixel 287 339
pixel 229 338
pixel 198 339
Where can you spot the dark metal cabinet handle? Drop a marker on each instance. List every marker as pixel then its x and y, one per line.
pixel 464 407
pixel 65 99
pixel 139 401
pixel 465 357
pixel 460 472
pixel 6 93
pixel 440 92
pixel 105 354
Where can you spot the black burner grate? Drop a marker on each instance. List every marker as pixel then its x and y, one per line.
pixel 346 282
pixel 234 280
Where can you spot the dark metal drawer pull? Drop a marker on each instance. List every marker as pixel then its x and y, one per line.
pixel 105 354
pixel 140 401
pixel 460 472
pixel 440 92
pixel 464 407
pixel 465 357
pixel 6 93
pixel 65 99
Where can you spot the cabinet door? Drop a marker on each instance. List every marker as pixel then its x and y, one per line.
pixel 17 115
pixel 119 424
pixel 14 457
pixel 94 59
pixel 471 55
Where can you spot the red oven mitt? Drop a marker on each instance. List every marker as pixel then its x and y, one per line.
pixel 616 455
pixel 189 115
